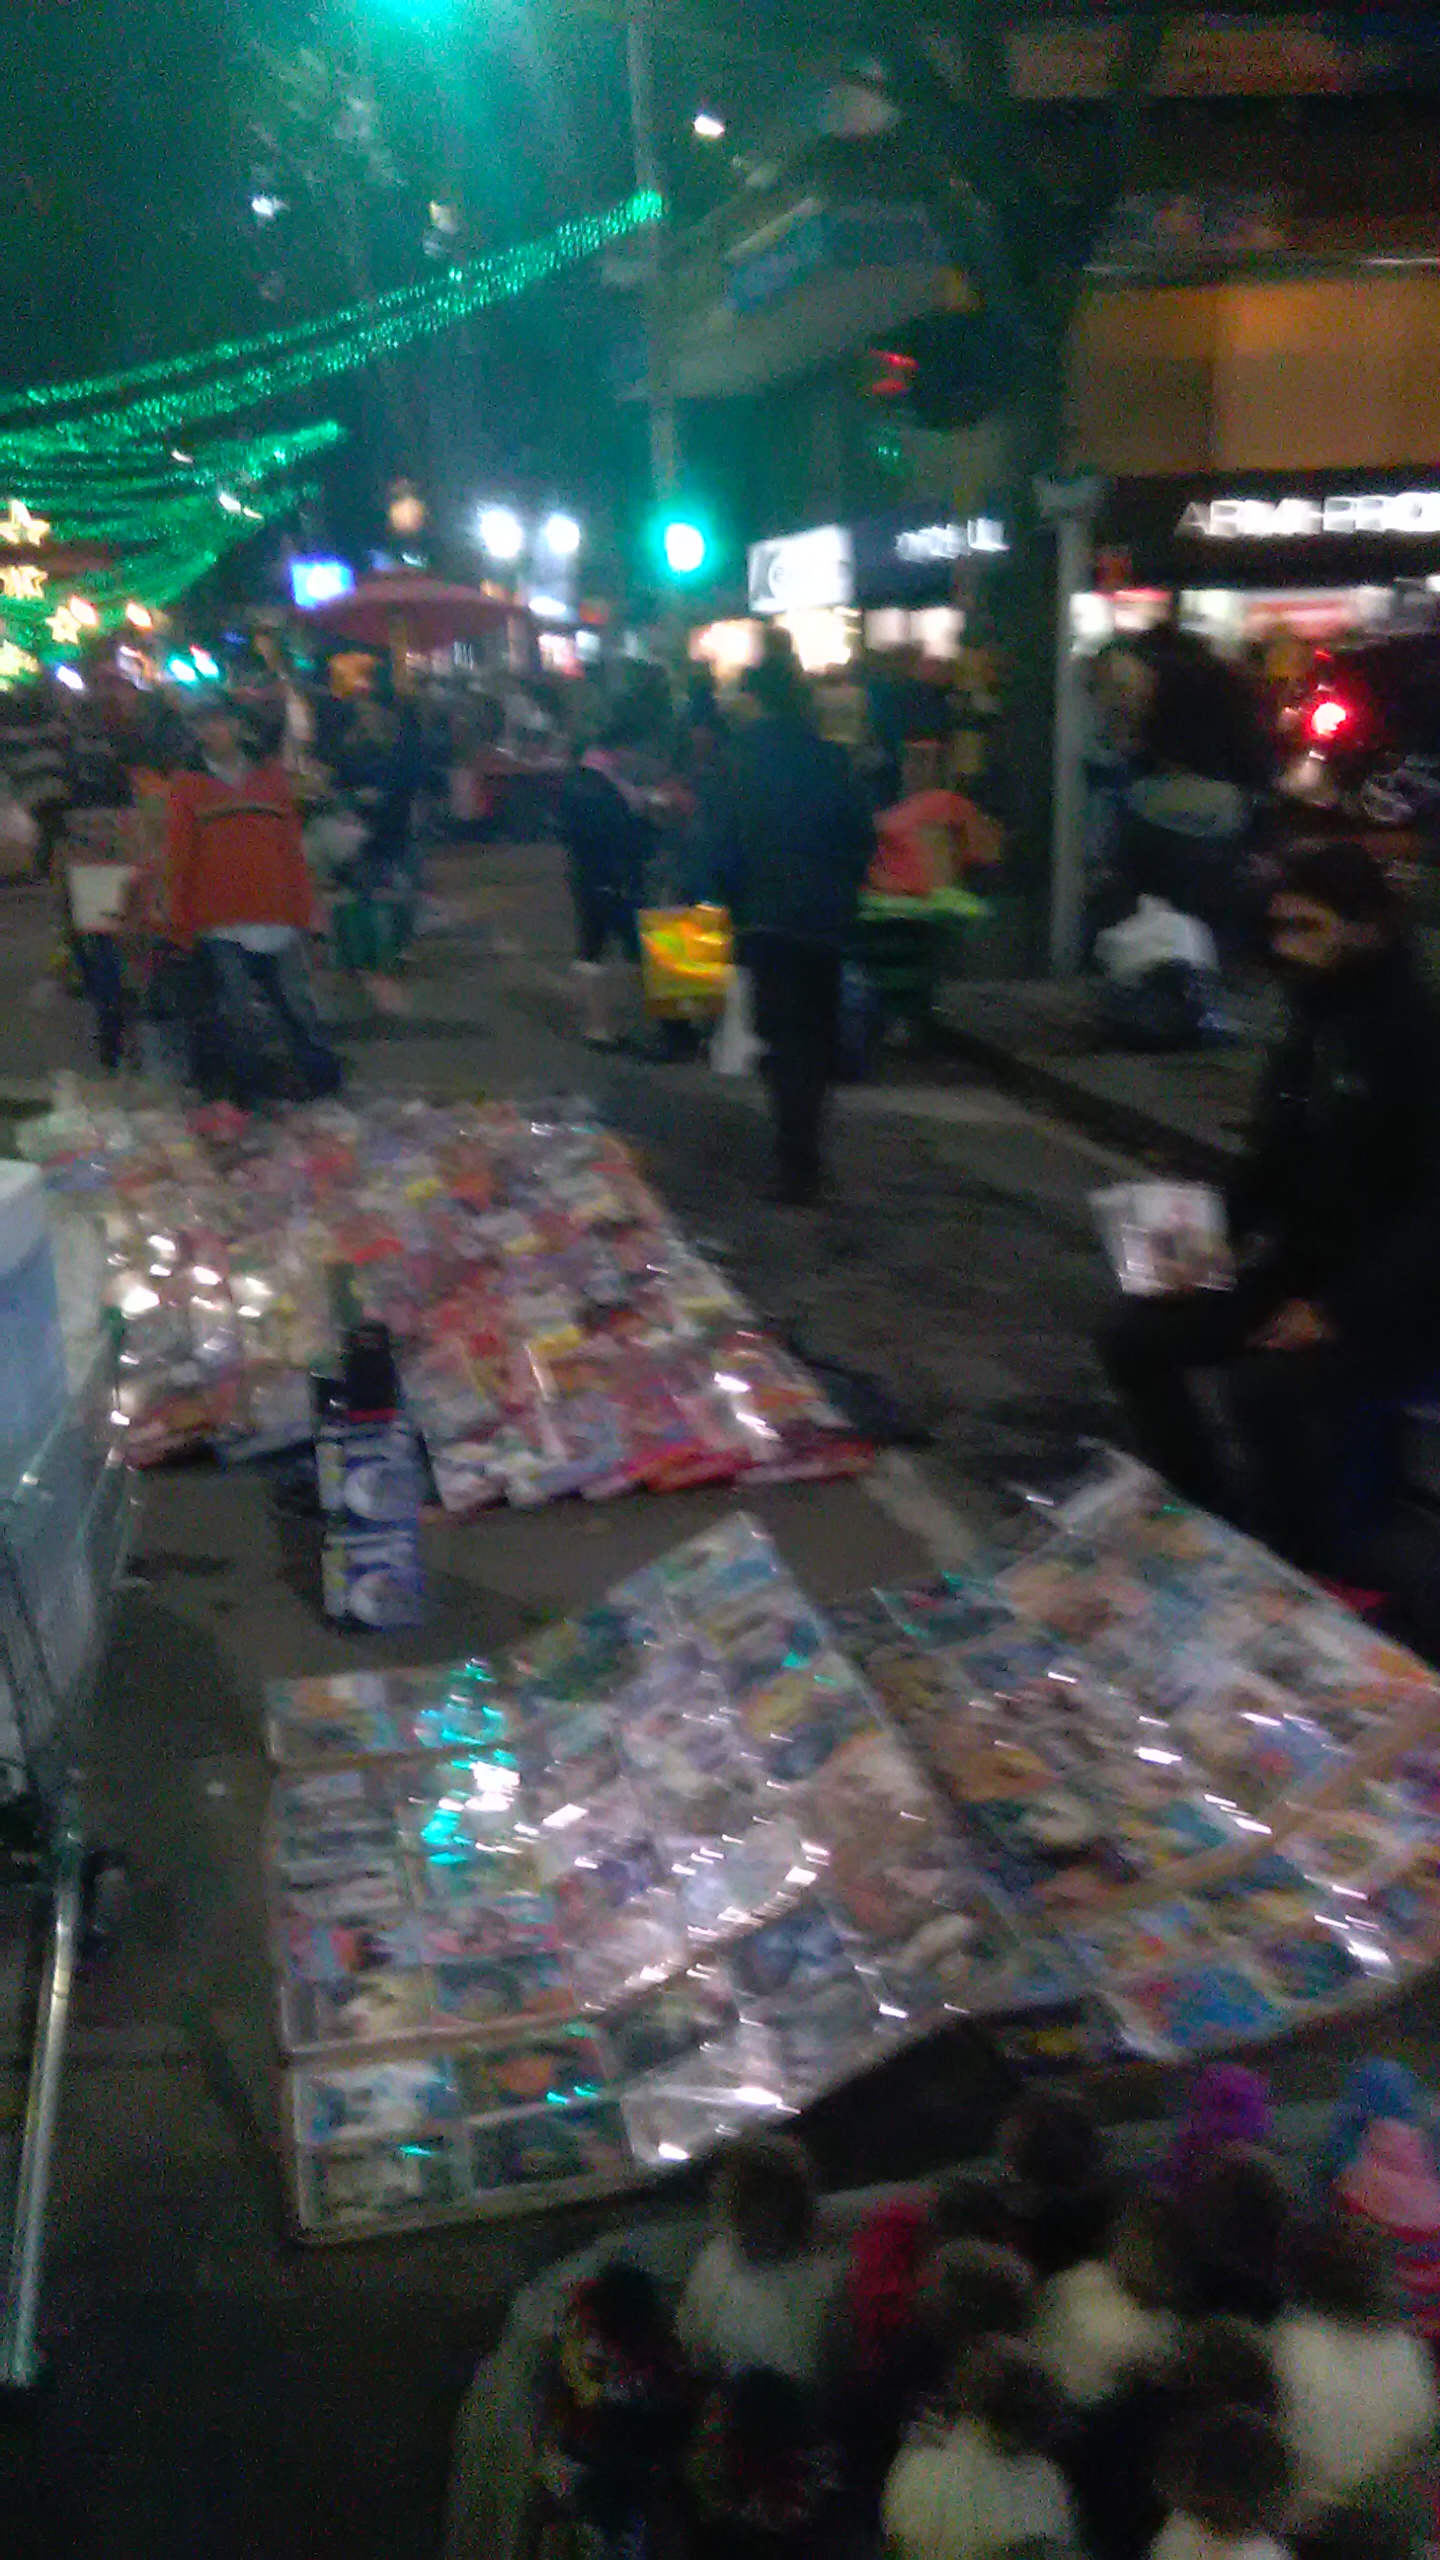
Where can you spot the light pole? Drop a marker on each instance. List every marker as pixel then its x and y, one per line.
pixel 659 383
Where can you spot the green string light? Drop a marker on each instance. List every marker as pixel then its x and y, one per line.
pixel 110 474
pixel 247 373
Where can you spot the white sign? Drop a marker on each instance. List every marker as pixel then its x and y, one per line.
pixel 802 570
pixel 929 542
pixel 1406 511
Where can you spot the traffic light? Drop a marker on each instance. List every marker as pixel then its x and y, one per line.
pixel 683 544
pixel 948 370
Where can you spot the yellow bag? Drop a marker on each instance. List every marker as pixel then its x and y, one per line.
pixel 685 960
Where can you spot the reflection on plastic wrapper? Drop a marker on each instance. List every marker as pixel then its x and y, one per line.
pixel 1164 1237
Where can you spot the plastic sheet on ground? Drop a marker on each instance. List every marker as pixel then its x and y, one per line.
pixel 557 1335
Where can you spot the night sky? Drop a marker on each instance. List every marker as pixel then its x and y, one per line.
pixel 139 131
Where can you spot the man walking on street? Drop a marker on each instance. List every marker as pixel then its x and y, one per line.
pixel 792 840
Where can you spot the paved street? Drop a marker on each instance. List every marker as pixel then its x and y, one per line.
pixel 214 2387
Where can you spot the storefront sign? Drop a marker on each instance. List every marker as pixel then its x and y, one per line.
pixel 1404 511
pixel 800 571
pixel 928 543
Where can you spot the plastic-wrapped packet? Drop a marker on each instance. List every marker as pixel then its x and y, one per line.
pixel 665 2025
pixel 600 1859
pixel 1187 2006
pixel 954 1610
pixel 634 1949
pixel 381 2186
pixel 831 2032
pixel 1306 1944
pixel 970 1960
pixel 569 1758
pixel 725 1883
pixel 561 2068
pixel 449 1394
pixel 466 1804
pixel 733 2085
pixel 1367 1838
pixel 800 1717
pixel 1075 1590
pixel 356 2009
pixel 381 2100
pixel 491 1928
pixel 360 1714
pixel 581 1659
pixel 550 2146
pixel 1163 1237
pixel 1258 1747
pixel 493 1991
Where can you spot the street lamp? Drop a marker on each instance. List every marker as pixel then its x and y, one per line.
pixel 501 533
pixel 561 536
pixel 707 126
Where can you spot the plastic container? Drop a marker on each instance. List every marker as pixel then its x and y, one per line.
pixel 32 1349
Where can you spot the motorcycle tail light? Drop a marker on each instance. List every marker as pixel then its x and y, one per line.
pixel 1328 719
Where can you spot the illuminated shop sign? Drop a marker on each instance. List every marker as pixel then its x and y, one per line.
pixel 924 544
pixel 800 571
pixel 1301 519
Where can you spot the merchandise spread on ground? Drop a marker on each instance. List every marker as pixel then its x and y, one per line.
pixel 681 1864
pixel 557 1335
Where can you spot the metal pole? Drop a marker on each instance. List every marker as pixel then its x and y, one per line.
pixel 659 390
pixel 19 2354
pixel 1070 506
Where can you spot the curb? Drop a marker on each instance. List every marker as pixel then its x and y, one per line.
pixel 1117 1123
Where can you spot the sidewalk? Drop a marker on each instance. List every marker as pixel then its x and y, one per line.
pixel 1037 1037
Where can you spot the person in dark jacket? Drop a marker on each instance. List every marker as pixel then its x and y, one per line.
pixel 1335 1217
pixel 793 839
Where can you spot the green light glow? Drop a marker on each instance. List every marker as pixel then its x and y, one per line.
pixel 110 472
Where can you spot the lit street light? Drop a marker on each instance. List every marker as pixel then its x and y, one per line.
pixel 561 536
pixel 501 533
pixel 707 126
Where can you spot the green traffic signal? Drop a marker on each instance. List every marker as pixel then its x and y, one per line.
pixel 684 546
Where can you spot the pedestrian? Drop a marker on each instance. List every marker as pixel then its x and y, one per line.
pixel 379 768
pixel 610 806
pixel 792 840
pixel 237 897
pixel 1335 1219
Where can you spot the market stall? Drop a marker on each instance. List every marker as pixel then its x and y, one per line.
pixel 557 1335
pixel 546 1929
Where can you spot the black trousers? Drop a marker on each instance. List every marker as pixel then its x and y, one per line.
pixel 797 1019
pixel 1296 1414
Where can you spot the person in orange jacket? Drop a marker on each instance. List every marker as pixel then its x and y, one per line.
pixel 237 896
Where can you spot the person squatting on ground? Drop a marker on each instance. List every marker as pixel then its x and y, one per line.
pixel 1335 1216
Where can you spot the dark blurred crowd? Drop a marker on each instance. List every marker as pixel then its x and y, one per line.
pixel 1228 2357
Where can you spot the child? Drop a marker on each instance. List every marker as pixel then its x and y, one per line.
pixel 987 2482
pixel 1227 2104
pixel 616 2404
pixel 889 2256
pixel 1380 2165
pixel 1113 2318
pixel 1225 2478
pixel 1357 2393
pixel 1058 2192
pixel 761 2292
pixel 1111 2459
pixel 760 2472
pixel 964 2290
